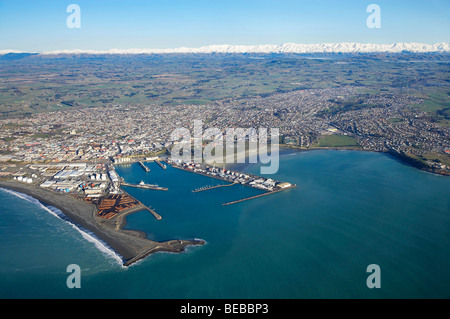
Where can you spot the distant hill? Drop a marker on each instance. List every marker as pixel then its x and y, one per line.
pixel 15 56
pixel 349 47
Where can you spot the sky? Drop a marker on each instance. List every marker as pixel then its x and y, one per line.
pixel 41 25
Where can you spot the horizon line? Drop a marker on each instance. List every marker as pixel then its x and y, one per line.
pixel 288 47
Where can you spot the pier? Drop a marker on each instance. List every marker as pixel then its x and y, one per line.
pixel 163 166
pixel 146 186
pixel 205 188
pixel 144 167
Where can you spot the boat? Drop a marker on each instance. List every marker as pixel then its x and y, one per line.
pixel 142 183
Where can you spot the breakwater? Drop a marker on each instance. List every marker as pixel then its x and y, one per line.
pixel 157 216
pixel 257 196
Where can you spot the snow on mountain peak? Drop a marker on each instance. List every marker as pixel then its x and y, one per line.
pixel 345 47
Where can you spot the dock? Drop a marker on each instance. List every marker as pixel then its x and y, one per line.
pixel 163 166
pixel 146 186
pixel 144 167
pixel 116 207
pixel 205 188
pixel 232 177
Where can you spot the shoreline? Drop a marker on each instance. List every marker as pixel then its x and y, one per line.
pixel 130 245
pixel 397 156
pixel 403 159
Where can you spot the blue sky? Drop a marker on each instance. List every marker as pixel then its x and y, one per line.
pixel 39 25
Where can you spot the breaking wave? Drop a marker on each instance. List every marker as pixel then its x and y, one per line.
pixel 86 234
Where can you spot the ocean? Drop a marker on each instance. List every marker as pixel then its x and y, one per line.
pixel 350 209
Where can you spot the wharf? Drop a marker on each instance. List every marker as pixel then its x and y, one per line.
pixel 212 187
pixel 268 192
pixel 146 186
pixel 144 167
pixel 116 207
pixel 201 173
pixel 163 166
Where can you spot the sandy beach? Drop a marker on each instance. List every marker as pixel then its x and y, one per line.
pixel 130 245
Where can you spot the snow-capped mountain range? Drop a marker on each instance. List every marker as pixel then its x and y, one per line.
pixel 269 48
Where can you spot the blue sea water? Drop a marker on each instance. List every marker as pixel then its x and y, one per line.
pixel 351 209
